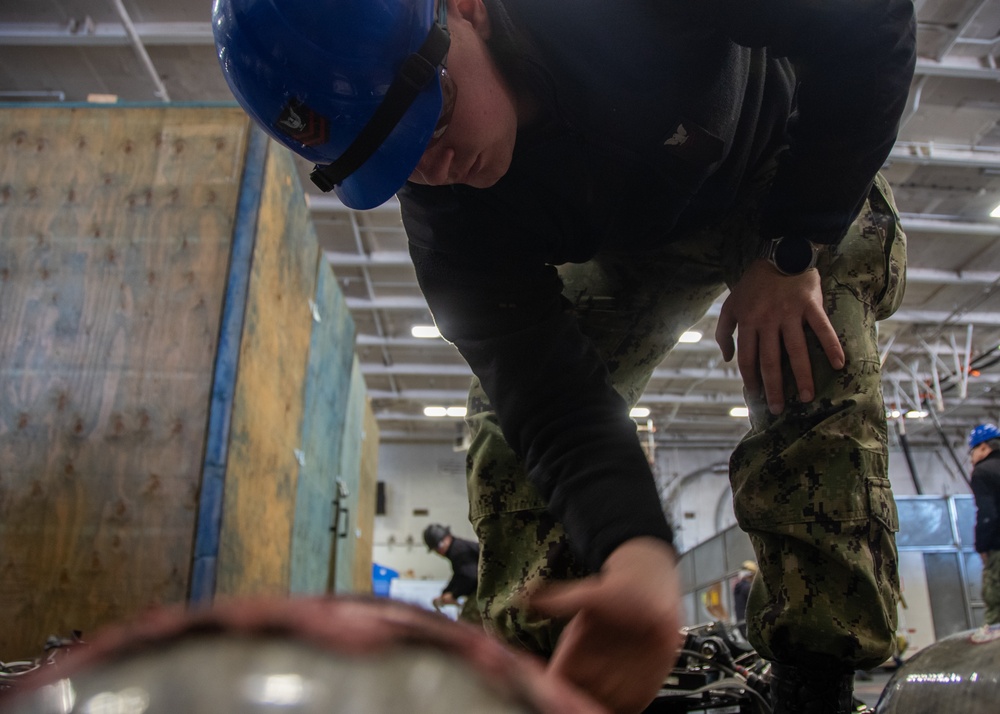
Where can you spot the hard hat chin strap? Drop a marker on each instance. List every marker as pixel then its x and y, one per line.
pixel 417 72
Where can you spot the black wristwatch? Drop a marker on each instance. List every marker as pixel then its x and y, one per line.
pixel 790 255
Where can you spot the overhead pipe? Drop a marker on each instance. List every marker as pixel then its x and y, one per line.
pixel 35 94
pixel 944 440
pixel 904 442
pixel 140 49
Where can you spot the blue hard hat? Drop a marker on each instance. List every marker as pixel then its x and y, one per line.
pixel 312 74
pixel 983 432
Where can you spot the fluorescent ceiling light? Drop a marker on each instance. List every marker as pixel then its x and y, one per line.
pixel 639 412
pixel 425 331
pixel 739 412
pixel 691 336
pixel 444 411
pixel 894 414
pixel 914 414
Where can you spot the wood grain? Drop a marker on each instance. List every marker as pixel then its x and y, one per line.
pixel 115 228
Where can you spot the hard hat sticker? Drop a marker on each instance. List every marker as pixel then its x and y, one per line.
pixel 299 122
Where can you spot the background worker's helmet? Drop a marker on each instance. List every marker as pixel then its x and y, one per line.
pixel 312 75
pixel 983 432
pixel 434 534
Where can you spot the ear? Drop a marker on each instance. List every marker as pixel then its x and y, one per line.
pixel 474 12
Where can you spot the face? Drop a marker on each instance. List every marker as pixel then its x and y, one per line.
pixel 477 145
pixel 443 546
pixel 979 453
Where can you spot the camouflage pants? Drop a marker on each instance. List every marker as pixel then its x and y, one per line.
pixel 810 486
pixel 991 587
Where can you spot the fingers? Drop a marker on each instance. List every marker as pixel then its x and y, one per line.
pixel 563 600
pixel 747 361
pixel 769 357
pixel 774 331
pixel 798 359
pixel 725 328
pixel 623 628
pixel 761 353
pixel 827 336
pixel 616 661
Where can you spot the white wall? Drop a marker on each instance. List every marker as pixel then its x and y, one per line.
pixel 694 484
pixel 419 476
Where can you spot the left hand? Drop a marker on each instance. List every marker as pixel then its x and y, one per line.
pixel 771 311
pixel 444 599
pixel 624 635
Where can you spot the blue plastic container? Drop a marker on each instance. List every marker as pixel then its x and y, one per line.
pixel 381 579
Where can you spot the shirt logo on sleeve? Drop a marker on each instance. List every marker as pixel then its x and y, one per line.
pixel 679 138
pixel 693 144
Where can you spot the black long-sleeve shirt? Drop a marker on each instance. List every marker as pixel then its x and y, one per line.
pixel 986 489
pixel 619 80
pixel 464 557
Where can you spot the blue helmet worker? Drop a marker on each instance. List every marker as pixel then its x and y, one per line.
pixel 984 452
pixel 579 184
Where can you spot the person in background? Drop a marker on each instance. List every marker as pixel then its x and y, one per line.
pixel 579 183
pixel 464 558
pixel 741 593
pixel 984 451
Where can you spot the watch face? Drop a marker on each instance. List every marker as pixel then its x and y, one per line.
pixel 793 255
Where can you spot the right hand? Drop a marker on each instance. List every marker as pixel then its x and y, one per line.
pixel 771 311
pixel 444 599
pixel 623 635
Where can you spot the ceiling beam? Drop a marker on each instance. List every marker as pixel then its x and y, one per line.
pixel 461 395
pixel 914 223
pixel 933 317
pixel 86 33
pixel 929 153
pixel 956 66
pixel 368 340
pixel 732 375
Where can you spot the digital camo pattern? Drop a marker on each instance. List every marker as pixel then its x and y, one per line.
pixel 991 587
pixel 810 486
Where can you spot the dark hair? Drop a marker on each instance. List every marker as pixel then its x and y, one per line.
pixel 512 50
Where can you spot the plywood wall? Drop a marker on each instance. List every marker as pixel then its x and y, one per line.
pixel 364 535
pixel 266 437
pixel 116 251
pixel 327 387
pixel 115 230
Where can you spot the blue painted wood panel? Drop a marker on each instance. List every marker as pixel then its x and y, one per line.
pixel 350 472
pixel 327 388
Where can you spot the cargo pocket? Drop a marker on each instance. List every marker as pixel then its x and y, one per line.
pixel 882 504
pixel 882 528
pixel 871 260
pixel 894 249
